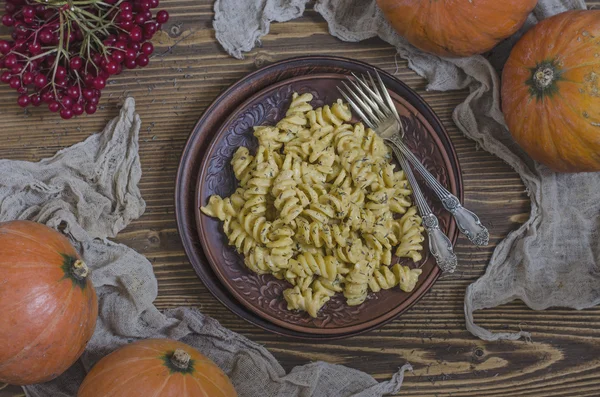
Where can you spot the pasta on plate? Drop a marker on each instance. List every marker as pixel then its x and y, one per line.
pixel 320 206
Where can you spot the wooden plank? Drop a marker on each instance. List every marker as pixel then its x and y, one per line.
pixel 171 94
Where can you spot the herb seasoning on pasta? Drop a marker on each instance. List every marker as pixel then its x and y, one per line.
pixel 320 206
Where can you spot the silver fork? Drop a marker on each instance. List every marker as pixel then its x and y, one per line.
pixel 386 126
pixel 377 104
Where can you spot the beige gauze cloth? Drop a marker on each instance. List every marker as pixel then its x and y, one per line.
pixel 90 191
pixel 553 259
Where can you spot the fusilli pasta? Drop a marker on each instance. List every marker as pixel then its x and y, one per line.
pixel 316 206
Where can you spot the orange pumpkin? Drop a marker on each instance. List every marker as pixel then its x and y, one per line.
pixel 156 367
pixel 48 304
pixel 456 28
pixel 551 92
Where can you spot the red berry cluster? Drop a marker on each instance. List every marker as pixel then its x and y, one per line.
pixel 64 51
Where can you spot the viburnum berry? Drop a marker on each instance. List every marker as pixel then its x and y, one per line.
pixel 15 82
pixel 63 55
pixel 120 45
pixel 54 106
pixel 130 53
pixel 76 63
pixel 162 17
pixel 118 57
pixel 125 16
pixel 149 30
pixel 88 93
pixel 131 63
pixel 142 60
pixel 5 77
pixel 60 73
pixel 47 97
pixel 28 78
pixel 10 61
pixel 140 19
pixel 46 36
pixel 145 5
pixel 5 47
pixel 40 81
pixel 99 83
pixel 66 113
pixel 125 6
pixel 10 8
pixel 77 109
pixel 35 100
pixel 74 92
pixel 67 102
pixel 90 109
pixel 23 100
pixel 28 12
pixel 111 67
pixel 147 48
pixel 17 69
pixel 8 20
pixel 135 34
pixel 35 48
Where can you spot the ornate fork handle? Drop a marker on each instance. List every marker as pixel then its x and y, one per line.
pixel 468 222
pixel 439 244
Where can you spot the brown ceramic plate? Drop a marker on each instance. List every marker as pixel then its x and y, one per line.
pixel 263 294
pixel 212 120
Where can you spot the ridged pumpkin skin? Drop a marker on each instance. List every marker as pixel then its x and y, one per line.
pixel 551 92
pixel 151 368
pixel 456 28
pixel 48 307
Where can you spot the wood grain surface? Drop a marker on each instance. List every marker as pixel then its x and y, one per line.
pixel 189 70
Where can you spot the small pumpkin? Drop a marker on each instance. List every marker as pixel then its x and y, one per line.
pixel 48 304
pixel 456 28
pixel 551 92
pixel 156 367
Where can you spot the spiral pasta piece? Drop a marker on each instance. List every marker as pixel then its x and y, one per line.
pixel 308 193
pixel 405 277
pixel 242 165
pixel 258 260
pixel 374 146
pixel 334 286
pixel 295 119
pixel 307 264
pixel 218 207
pixel 302 283
pixel 282 246
pixel 284 190
pixel 242 241
pixel 384 278
pixel 410 234
pixel 307 300
pixel 408 278
pixel 357 283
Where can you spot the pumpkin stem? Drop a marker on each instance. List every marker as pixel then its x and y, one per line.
pixel 181 359
pixel 543 77
pixel 80 269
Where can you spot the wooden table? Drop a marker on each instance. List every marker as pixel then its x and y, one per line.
pixel 171 93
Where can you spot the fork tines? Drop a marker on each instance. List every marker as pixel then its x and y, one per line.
pixel 371 101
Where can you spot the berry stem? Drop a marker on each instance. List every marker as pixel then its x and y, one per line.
pixel 59 51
